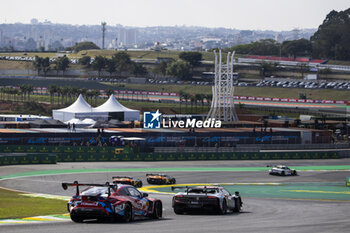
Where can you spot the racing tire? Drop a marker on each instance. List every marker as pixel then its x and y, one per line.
pixel 223 210
pixel 149 181
pixel 283 173
pixel 178 211
pixel 294 173
pixel 173 181
pixel 139 184
pixel 128 213
pixel 237 205
pixel 77 219
pixel 158 210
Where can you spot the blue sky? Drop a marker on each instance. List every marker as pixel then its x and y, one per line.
pixel 248 14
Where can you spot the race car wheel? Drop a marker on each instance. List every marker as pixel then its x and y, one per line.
pixel 76 218
pixel 283 173
pixel 178 211
pixel 173 181
pixel 128 213
pixel 148 181
pixel 294 173
pixel 223 209
pixel 139 184
pixel 158 210
pixel 237 205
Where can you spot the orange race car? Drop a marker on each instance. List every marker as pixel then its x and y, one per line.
pixel 127 180
pixel 160 179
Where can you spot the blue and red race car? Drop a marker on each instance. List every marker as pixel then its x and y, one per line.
pixel 116 202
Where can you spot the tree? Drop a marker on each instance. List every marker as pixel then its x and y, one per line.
pixel 267 47
pixel 41 64
pixel 37 63
pixel 296 48
pixel 109 92
pixel 179 68
pixel 332 39
pixel 186 97
pixel 138 69
pixel 111 66
pixel 85 61
pixel 98 64
pixel 62 63
pixel 30 90
pixel 194 58
pixel 181 95
pixel 52 91
pixel 45 65
pixel 123 61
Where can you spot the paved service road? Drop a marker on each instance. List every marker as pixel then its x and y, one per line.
pixel 258 215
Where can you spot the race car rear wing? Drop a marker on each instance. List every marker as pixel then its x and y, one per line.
pixel 155 174
pixel 118 177
pixel 188 188
pixel 77 184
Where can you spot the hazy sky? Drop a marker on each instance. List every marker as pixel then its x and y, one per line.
pixel 240 14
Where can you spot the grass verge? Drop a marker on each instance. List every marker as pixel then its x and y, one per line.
pixel 14 205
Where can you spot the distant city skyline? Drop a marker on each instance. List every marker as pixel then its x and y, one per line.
pixel 277 15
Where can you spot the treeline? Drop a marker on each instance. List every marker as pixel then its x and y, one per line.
pixel 330 41
pixel 120 64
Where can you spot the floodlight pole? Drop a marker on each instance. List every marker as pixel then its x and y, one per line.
pixel 103 34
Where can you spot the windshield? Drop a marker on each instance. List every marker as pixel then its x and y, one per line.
pixel 95 191
pixel 198 190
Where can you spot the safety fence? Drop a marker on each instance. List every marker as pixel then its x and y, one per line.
pixel 51 154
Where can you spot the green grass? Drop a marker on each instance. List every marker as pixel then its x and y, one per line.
pixel 14 205
pixel 248 91
pixel 191 89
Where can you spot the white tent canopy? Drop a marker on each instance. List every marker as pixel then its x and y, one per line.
pixel 80 105
pixel 81 110
pixel 113 106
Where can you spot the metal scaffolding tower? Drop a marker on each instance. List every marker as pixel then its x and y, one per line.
pixel 222 105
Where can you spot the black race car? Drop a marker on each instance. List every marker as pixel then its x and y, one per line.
pixel 214 199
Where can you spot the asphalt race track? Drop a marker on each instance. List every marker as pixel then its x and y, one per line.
pixel 258 215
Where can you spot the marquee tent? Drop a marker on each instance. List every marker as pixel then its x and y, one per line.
pixel 111 109
pixel 80 109
pixel 117 111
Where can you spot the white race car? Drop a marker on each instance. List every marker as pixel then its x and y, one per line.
pixel 282 170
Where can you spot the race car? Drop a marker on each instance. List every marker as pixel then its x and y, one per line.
pixel 206 198
pixel 282 170
pixel 127 180
pixel 115 202
pixel 160 179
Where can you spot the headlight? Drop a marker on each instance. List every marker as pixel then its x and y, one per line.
pixel 119 208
